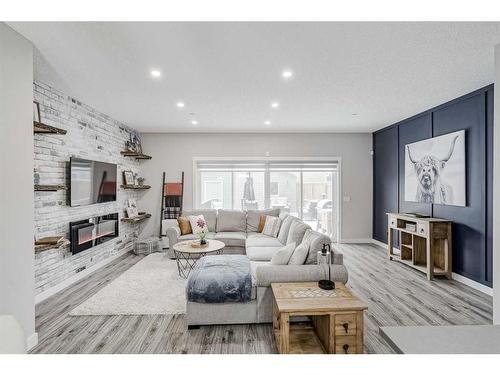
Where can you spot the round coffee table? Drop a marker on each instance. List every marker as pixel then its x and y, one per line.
pixel 187 256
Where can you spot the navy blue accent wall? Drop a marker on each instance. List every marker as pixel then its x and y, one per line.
pixel 385 172
pixel 472 230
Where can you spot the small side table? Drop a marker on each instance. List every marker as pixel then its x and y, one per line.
pixel 337 319
pixel 187 256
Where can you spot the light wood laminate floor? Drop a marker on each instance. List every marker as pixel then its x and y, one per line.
pixel 396 295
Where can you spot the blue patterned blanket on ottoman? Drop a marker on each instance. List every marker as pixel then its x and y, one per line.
pixel 220 278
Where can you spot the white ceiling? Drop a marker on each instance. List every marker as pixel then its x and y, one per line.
pixel 229 73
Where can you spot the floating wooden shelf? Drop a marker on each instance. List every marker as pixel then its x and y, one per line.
pixel 136 155
pixel 41 128
pixel 136 187
pixel 49 187
pixel 136 219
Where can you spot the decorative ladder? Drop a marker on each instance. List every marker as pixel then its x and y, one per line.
pixel 171 200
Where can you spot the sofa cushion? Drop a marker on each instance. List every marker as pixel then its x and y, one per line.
pixel 296 232
pixel 314 242
pixel 209 215
pixel 285 228
pixel 231 221
pixel 253 217
pixel 198 224
pixel 233 239
pixel 210 235
pixel 260 253
pixel 299 255
pixel 259 239
pixel 271 226
pixel 184 225
pixel 283 255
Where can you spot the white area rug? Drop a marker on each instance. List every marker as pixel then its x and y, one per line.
pixel 152 286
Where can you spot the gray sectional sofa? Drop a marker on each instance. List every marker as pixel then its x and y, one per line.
pixel 238 231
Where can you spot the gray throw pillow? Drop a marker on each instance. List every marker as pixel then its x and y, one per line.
pixel 285 228
pixel 297 231
pixel 282 256
pixel 299 255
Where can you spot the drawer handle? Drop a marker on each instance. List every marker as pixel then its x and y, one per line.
pixel 346 327
pixel 346 348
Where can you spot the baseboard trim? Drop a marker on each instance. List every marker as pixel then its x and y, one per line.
pixel 32 341
pixel 356 240
pixel 473 284
pixel 77 277
pixel 455 276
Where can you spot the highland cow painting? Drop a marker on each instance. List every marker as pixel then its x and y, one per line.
pixel 435 170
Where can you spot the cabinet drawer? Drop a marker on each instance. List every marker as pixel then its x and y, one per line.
pixel 345 324
pixel 422 229
pixel 345 345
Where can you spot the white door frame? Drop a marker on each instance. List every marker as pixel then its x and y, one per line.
pixel 333 159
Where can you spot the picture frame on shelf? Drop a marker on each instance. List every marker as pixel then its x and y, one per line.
pixel 132 202
pixel 128 178
pixel 132 212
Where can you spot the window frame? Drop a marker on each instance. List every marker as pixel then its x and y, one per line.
pixel 268 161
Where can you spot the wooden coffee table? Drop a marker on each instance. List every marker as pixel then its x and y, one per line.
pixel 337 319
pixel 187 256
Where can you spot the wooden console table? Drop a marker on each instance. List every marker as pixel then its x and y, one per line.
pixel 425 243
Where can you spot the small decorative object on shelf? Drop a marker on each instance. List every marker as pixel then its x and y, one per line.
pixel 128 178
pixel 326 253
pixel 132 210
pixel 140 181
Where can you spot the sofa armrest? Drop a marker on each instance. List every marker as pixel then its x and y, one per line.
pixel 173 233
pixel 265 275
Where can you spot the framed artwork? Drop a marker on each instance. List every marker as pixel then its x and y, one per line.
pixel 435 170
pixel 128 178
pixel 132 202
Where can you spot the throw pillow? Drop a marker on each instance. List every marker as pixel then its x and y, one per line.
pixel 282 256
pixel 184 225
pixel 297 231
pixel 285 228
pixel 262 222
pixel 271 226
pixel 198 224
pixel 299 255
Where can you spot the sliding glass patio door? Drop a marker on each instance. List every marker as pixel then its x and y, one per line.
pixel 307 190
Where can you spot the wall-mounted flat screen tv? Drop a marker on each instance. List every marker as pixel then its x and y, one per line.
pixel 92 182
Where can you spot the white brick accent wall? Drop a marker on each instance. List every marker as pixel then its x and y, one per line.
pixel 90 135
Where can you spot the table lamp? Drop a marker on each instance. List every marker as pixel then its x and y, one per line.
pixel 326 284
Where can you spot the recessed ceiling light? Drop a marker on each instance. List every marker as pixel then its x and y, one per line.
pixel 194 122
pixel 155 73
pixel 287 74
pixel 267 122
pixel 275 105
pixel 180 105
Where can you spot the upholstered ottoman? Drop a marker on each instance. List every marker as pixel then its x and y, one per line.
pixel 219 290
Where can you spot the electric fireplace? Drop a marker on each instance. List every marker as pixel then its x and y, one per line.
pixel 88 233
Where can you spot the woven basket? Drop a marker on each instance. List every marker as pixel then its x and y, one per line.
pixel 147 246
